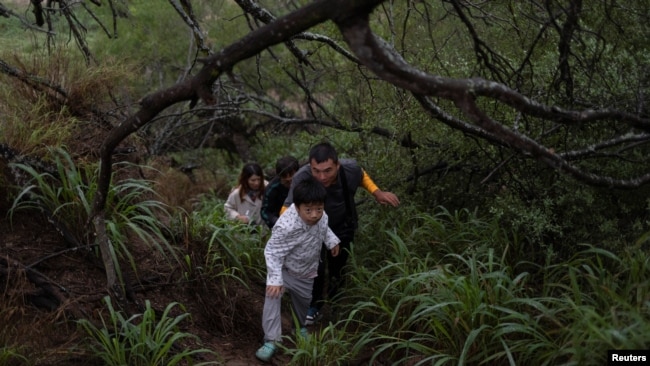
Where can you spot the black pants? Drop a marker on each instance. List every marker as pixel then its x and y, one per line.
pixel 335 273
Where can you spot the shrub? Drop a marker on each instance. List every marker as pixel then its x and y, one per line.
pixel 447 288
pixel 66 198
pixel 141 339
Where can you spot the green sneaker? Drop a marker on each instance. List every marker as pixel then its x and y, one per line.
pixel 266 352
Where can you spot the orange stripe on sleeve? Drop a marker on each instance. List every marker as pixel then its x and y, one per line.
pixel 367 183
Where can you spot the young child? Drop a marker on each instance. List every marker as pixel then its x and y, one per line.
pixel 292 255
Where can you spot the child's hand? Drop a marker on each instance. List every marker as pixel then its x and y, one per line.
pixel 335 251
pixel 274 291
pixel 243 218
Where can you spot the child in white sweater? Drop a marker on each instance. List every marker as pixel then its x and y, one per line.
pixel 292 255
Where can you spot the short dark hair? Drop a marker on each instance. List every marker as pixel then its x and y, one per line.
pixel 286 165
pixel 323 152
pixel 309 190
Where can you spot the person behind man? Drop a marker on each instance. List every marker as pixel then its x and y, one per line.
pixel 341 178
pixel 277 190
pixel 292 255
pixel 245 200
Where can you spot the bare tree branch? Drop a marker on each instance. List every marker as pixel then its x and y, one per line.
pixel 381 59
pixel 266 17
pixel 630 137
pixel 74 24
pixel 32 80
pixel 567 32
pixel 186 13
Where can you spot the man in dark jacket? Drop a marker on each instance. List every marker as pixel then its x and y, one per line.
pixel 341 179
pixel 278 188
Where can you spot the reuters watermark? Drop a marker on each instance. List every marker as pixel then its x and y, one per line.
pixel 628 357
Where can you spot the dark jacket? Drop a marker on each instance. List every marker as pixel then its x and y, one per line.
pixel 274 195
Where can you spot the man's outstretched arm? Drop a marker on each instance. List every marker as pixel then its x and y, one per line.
pixel 382 197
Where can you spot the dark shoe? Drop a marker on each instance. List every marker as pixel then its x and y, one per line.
pixel 313 316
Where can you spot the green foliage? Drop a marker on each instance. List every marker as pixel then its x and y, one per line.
pixel 224 265
pixel 563 213
pixel 10 356
pixel 42 127
pixel 233 250
pixel 275 146
pixel 142 339
pixel 150 35
pixel 239 248
pixel 159 41
pixel 481 263
pixel 66 198
pixel 453 288
pixel 327 346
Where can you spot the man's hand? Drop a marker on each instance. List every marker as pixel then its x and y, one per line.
pixel 386 198
pixel 274 291
pixel 335 251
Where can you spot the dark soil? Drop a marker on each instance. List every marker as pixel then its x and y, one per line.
pixel 46 287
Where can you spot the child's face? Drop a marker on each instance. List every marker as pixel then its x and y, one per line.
pixel 311 213
pixel 254 182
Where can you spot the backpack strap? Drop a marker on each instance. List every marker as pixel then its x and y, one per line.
pixel 349 206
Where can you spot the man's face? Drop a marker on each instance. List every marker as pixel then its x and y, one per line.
pixel 285 180
pixel 325 172
pixel 311 213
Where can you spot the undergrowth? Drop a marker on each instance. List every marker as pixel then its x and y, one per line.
pixel 450 289
pixel 423 288
pixel 223 264
pixel 65 196
pixel 142 339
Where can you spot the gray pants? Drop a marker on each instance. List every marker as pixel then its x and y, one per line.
pixel 300 291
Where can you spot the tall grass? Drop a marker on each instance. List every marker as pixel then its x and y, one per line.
pixel 327 346
pixel 232 248
pixel 453 288
pixel 66 112
pixel 603 301
pixel 224 267
pixel 66 196
pixel 447 291
pixel 143 339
